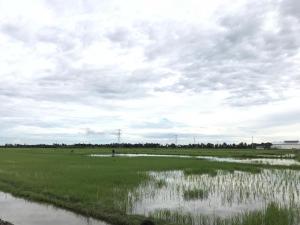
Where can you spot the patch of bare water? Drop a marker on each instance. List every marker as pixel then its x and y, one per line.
pixel 22 212
pixel 270 161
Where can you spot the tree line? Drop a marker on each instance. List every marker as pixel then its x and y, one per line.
pixel 241 145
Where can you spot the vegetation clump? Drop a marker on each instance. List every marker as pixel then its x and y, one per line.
pixel 195 194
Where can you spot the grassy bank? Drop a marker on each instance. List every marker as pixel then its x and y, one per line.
pixel 96 187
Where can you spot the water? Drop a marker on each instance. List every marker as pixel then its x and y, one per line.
pixel 270 161
pixel 283 162
pixel 142 155
pixel 224 195
pixel 21 212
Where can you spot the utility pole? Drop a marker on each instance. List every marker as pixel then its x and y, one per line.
pixel 252 143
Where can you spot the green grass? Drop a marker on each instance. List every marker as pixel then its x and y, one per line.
pixel 160 183
pixel 298 156
pixel 96 186
pixel 273 214
pixel 193 194
pixel 238 153
pixel 231 167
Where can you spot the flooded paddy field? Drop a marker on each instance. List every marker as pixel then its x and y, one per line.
pixel 215 198
pixel 287 161
pixel 223 153
pixel 181 189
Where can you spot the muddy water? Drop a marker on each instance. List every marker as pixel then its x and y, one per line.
pixel 21 212
pixel 224 195
pixel 270 161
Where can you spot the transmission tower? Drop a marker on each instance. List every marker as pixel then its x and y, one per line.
pixel 119 132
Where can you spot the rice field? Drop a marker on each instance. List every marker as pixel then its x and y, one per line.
pixel 167 190
pixel 220 197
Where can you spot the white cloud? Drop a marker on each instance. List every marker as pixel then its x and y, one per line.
pixel 217 70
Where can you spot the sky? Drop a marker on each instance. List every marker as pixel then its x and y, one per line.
pixel 205 71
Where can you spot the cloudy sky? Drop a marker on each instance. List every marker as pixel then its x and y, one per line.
pixel 208 71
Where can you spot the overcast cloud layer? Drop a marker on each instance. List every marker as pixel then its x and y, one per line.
pixel 76 71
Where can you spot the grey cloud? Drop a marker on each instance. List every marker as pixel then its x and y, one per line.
pixel 121 36
pixel 105 133
pixel 236 55
pixel 190 137
pixel 241 57
pixel 108 82
pixel 163 123
pixel 246 97
pixel 68 81
pixel 69 84
pixel 89 131
pixel 291 8
pixel 62 39
pixel 16 31
pixel 65 40
pixel 232 52
pixel 277 119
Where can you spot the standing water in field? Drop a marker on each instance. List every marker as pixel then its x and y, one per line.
pixel 284 160
pixel 205 199
pixel 21 212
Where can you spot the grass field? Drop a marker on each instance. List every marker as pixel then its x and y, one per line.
pixel 240 153
pixel 99 186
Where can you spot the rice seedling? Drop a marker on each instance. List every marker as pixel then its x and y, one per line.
pixel 193 194
pixel 231 195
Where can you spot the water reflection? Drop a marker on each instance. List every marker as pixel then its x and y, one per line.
pixel 225 194
pixel 270 161
pixel 284 162
pixel 21 212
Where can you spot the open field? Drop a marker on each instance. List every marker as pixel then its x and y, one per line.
pixel 101 187
pixel 240 153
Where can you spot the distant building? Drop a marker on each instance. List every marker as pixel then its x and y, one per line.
pixel 261 146
pixel 286 145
